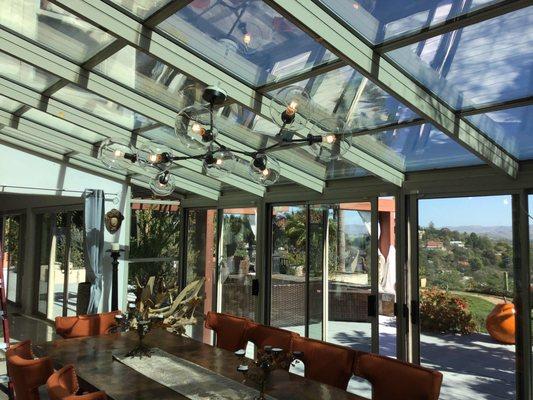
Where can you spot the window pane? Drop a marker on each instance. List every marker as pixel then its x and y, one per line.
pixel 53 27
pixel 247 38
pixel 155 231
pixel 509 128
pixel 61 125
pixel 346 94
pixel 489 62
pixel 12 252
pixel 465 272
pixel 237 262
pixel 201 263
pixel 140 271
pixel 142 8
pixel 103 108
pixel 416 148
pixel 150 77
pixel 288 287
pixel 25 74
pixel 384 21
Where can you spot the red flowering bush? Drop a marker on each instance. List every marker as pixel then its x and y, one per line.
pixel 443 312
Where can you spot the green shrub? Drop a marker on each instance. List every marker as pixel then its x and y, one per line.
pixel 442 312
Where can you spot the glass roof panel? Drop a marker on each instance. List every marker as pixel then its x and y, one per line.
pixel 381 21
pixel 247 38
pixel 9 105
pixel 416 148
pixel 512 129
pixel 142 8
pixel 54 28
pixel 150 77
pixel 340 169
pixel 489 62
pixel 25 74
pixel 61 125
pixel 348 95
pixel 101 107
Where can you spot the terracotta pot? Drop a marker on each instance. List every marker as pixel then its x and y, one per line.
pixel 501 323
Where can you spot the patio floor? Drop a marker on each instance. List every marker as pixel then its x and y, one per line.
pixel 474 366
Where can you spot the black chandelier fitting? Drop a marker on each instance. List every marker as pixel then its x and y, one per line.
pixel 195 127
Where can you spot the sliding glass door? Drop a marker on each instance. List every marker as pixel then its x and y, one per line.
pixel 60 262
pixel 465 272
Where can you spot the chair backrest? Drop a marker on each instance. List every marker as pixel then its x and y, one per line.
pixel 63 385
pixel 85 325
pixel 325 362
pixel 27 373
pixel 230 330
pixel 262 336
pixel 393 379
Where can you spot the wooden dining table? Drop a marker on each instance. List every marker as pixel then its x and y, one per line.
pixel 97 370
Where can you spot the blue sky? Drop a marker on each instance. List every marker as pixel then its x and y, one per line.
pixel 484 211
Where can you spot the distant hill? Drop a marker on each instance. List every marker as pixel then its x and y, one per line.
pixel 493 232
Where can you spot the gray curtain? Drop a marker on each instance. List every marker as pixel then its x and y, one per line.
pixel 94 244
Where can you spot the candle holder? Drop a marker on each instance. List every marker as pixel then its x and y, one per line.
pixel 268 360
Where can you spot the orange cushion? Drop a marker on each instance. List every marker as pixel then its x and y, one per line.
pixel 85 325
pixel 393 379
pixel 27 373
pixel 229 329
pixel 325 362
pixel 262 336
pixel 63 385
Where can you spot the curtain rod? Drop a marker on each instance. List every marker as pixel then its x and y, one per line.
pixel 52 190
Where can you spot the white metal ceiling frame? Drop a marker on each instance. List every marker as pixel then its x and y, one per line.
pixel 124 27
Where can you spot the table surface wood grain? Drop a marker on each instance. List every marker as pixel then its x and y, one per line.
pixel 92 358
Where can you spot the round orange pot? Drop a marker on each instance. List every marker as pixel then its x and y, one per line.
pixel 501 323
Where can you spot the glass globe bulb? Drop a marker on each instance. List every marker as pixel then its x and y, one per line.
pixel 152 154
pixel 193 127
pixel 219 164
pixel 116 156
pixel 162 184
pixel 291 106
pixel 264 170
pixel 334 144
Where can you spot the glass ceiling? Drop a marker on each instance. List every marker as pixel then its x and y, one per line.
pixel 480 68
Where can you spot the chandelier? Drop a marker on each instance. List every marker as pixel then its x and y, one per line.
pixel 195 127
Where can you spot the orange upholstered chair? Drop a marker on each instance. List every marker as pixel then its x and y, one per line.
pixel 229 329
pixel 325 362
pixel 393 379
pixel 27 372
pixel 63 385
pixel 85 325
pixel 262 336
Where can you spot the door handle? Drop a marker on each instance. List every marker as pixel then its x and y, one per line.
pixel 415 311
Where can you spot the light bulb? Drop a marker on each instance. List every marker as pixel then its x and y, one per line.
pixel 291 108
pixel 266 172
pixel 329 139
pixel 118 153
pixel 219 161
pixel 153 158
pixel 197 128
pixel 247 38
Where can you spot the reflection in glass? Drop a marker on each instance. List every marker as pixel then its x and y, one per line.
pixel 153 78
pixel 101 107
pixel 76 267
pixel 416 148
pixel 44 224
pixel 379 22
pixel 510 128
pixel 248 38
pixel 54 27
pixel 25 74
pixel 201 263
pixel 349 96
pixel 141 8
pixel 237 262
pixel 485 63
